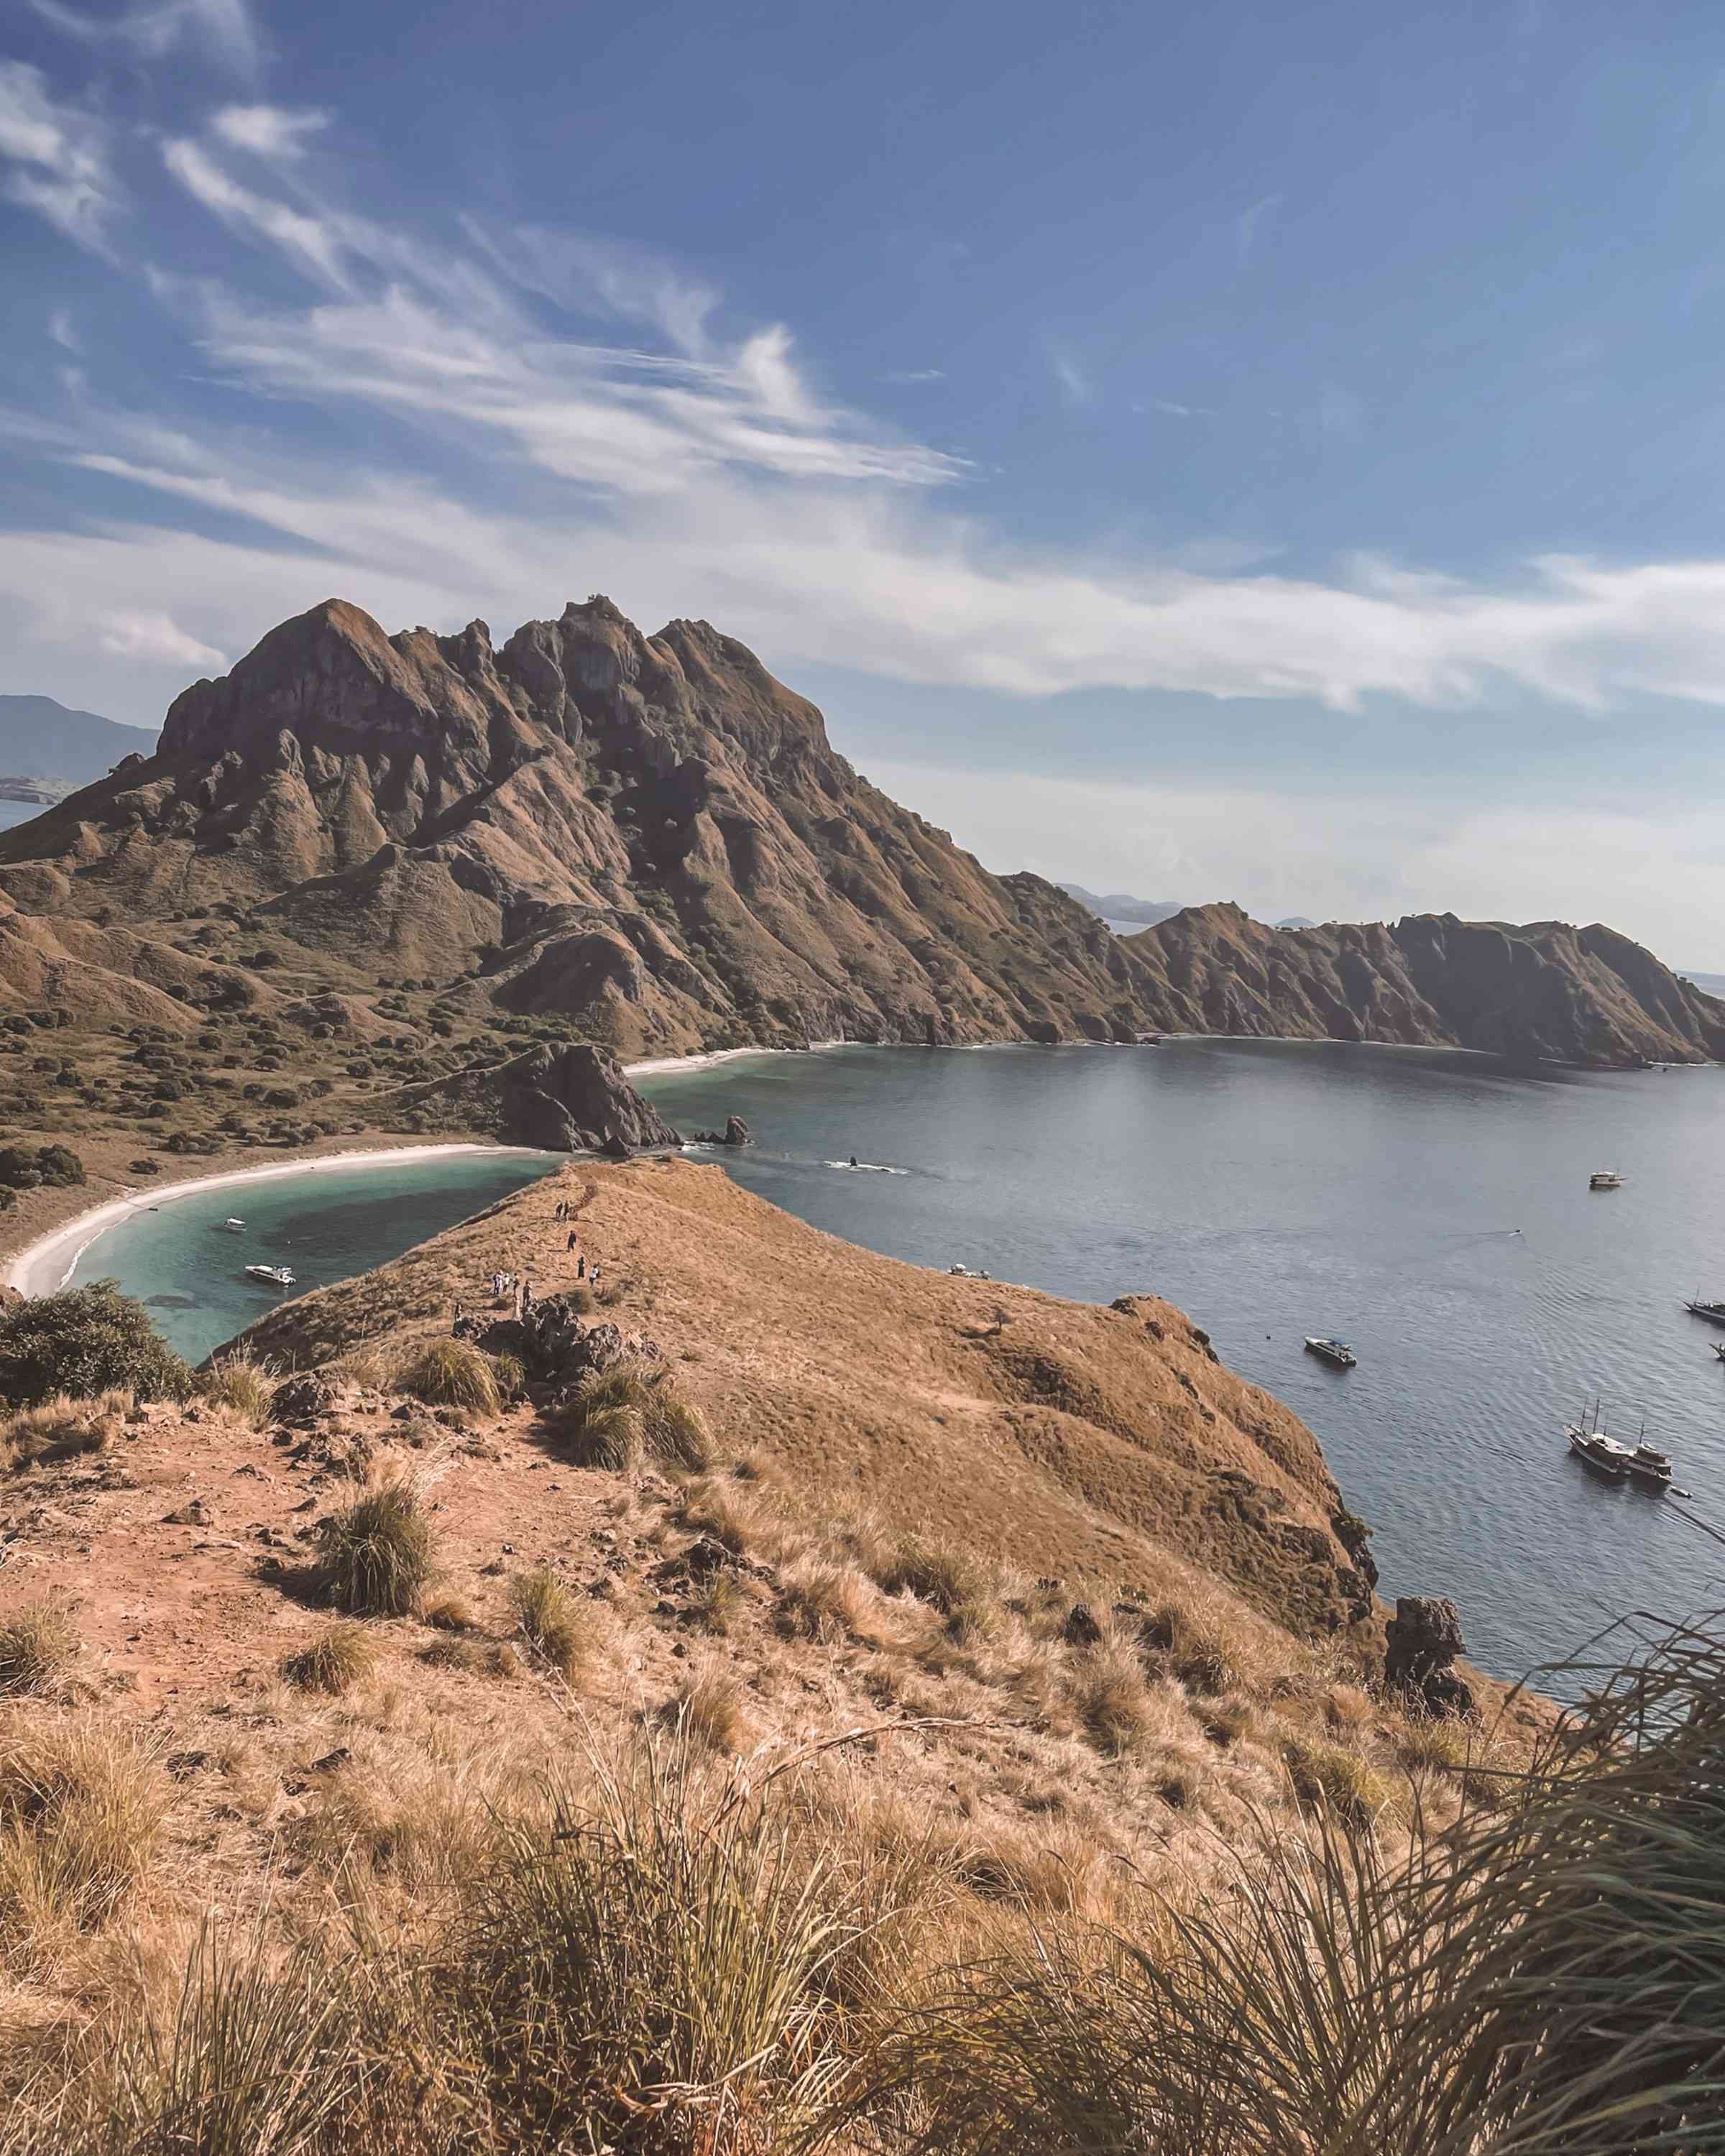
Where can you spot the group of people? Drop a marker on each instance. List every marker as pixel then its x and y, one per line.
pixel 506 1287
pixel 566 1210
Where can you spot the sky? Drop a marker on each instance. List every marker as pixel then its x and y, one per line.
pixel 1268 451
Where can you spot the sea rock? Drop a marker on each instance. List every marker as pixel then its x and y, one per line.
pixel 1421 1641
pixel 735 1132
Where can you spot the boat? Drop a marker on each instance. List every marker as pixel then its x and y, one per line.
pixel 1719 1349
pixel 1336 1352
pixel 1605 1178
pixel 233 1227
pixel 1714 1313
pixel 277 1276
pixel 1641 1463
pixel 1651 1467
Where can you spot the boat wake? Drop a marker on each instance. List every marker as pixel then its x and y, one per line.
pixel 865 1167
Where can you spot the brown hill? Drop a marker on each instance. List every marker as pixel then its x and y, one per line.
pixel 1103 1446
pixel 1545 991
pixel 647 833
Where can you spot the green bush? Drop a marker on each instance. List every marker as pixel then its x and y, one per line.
pixel 86 1340
pixel 56 1166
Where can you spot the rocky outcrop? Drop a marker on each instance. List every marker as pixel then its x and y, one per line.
pixel 735 1132
pixel 1422 1642
pixel 1546 992
pixel 566 1100
pixel 647 833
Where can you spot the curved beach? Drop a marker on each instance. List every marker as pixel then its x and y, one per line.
pixel 46 1265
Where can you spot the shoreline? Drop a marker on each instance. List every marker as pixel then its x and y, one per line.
pixel 44 1266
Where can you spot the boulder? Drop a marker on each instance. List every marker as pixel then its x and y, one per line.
pixel 555 1348
pixel 1421 1641
pixel 302 1399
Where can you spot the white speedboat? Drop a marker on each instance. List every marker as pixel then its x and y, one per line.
pixel 1335 1351
pixel 1605 1178
pixel 232 1226
pixel 277 1276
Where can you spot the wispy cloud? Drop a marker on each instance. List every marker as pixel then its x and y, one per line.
pixel 150 28
pixel 583 275
pixel 1250 221
pixel 309 240
pixel 61 329
pixel 155 638
pixel 271 131
pixel 1178 411
pixel 55 157
pixel 1074 383
pixel 916 374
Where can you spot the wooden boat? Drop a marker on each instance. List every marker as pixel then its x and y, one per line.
pixel 1605 1178
pixel 1714 1313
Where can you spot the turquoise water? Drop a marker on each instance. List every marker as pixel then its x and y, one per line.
pixel 1430 1208
pixel 326 1225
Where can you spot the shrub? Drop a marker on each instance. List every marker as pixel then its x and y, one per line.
pixel 511 1378
pixel 342 1655
pixel 545 1614
pixel 55 1165
pixel 243 1385
pixel 378 1555
pixel 674 1432
pixel 36 1647
pixel 86 1340
pixel 453 1373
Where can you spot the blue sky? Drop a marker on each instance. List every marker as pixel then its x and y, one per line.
pixel 1269 452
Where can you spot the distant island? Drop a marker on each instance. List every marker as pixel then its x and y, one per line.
pixel 49 750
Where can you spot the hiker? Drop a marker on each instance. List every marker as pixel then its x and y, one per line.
pixel 571 1239
pixel 581 1266
pixel 593 1277
pixel 457 1319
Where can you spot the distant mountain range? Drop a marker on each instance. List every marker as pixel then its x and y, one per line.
pixel 42 739
pixel 651 838
pixel 1147 912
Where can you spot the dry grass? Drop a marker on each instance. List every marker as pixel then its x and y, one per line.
pixel 819 1600
pixel 549 1621
pixel 450 1613
pixel 719 1603
pixel 1111 1698
pixel 242 1385
pixel 379 1554
pixel 709 1705
pixel 342 1655
pixel 81 1810
pixel 1322 1772
pixel 64 1427
pixel 452 1373
pixel 38 1645
pixel 630 1414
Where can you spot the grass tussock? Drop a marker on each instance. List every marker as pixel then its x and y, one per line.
pixel 342 1655
pixel 82 1805
pixel 450 1613
pixel 960 1586
pixel 1322 1772
pixel 379 1554
pixel 631 1415
pixel 710 1706
pixel 242 1385
pixel 61 1427
pixel 38 1645
pixel 1111 1698
pixel 548 1619
pixel 453 1373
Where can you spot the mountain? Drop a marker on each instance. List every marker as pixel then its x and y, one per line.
pixel 649 833
pixel 42 739
pixel 1545 991
pixel 649 842
pixel 1120 905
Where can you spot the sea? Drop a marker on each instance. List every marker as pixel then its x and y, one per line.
pixel 1430 1208
pixel 188 1268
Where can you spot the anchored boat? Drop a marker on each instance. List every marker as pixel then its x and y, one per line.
pixel 1605 1178
pixel 1643 1464
pixel 233 1226
pixel 1336 1352
pixel 1714 1313
pixel 277 1276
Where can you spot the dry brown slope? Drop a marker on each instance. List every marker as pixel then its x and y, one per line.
pixel 647 833
pixel 1097 1445
pixel 1545 991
